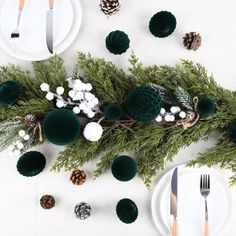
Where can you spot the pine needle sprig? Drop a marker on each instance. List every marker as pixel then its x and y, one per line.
pixel 184 98
pixel 109 83
pixel 51 72
pixel 75 155
pixel 39 107
pixel 149 164
pixel 215 156
pixel 7 138
pixel 8 126
pixel 145 136
pixel 15 73
pixel 115 145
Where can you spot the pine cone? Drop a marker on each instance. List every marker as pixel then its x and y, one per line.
pixel 47 202
pixel 30 120
pixel 78 177
pixel 192 41
pixel 110 7
pixel 82 211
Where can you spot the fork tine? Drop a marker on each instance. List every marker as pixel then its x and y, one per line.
pixel 205 181
pixel 201 182
pixel 208 182
pixel 15 44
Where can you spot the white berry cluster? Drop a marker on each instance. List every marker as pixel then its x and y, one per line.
pixel 80 97
pixel 17 146
pixel 170 116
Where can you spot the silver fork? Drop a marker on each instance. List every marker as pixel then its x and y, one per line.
pixel 15 35
pixel 205 190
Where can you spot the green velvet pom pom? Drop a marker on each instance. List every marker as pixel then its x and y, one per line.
pixel 162 24
pixel 206 106
pixel 31 163
pixel 232 131
pixel 117 42
pixel 61 127
pixel 124 168
pixel 10 92
pixel 143 103
pixel 126 211
pixel 113 112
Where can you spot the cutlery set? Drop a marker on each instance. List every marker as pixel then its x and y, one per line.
pixel 15 35
pixel 204 191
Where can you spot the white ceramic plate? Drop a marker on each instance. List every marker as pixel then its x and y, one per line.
pixel 191 203
pixel 67 21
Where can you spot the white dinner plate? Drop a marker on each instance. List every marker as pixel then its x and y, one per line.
pixel 191 209
pixel 66 22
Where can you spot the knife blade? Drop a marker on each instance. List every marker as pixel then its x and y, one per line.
pixel 49 27
pixel 174 201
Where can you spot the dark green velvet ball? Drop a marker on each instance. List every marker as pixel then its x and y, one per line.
pixel 10 92
pixel 113 112
pixel 126 211
pixel 232 131
pixel 117 42
pixel 143 103
pixel 206 106
pixel 162 24
pixel 124 168
pixel 31 163
pixel 61 127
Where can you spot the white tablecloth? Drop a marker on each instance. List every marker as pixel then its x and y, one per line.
pixel 20 213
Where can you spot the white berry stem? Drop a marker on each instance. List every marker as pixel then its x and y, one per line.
pixel 101 119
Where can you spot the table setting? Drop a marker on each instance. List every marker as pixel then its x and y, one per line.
pixel 117 118
pixel 191 204
pixel 34 41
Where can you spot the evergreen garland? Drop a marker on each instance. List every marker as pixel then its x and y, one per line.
pixel 152 143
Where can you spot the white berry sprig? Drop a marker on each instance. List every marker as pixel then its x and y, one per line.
pixel 80 97
pixel 18 146
pixel 170 116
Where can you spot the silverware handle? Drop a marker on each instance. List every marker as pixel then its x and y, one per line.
pixel 175 230
pixel 206 220
pixel 19 17
pixel 51 3
pixel 21 4
pixel 207 233
pixel 206 210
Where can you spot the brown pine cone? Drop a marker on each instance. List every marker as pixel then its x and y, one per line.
pixel 47 202
pixel 78 177
pixel 30 120
pixel 192 41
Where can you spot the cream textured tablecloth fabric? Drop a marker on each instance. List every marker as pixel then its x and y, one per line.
pixel 20 213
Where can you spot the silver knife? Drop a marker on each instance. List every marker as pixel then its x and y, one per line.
pixel 174 201
pixel 49 27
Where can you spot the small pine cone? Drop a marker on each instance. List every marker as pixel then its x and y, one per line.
pixel 82 211
pixel 110 7
pixel 47 202
pixel 78 177
pixel 192 41
pixel 30 120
